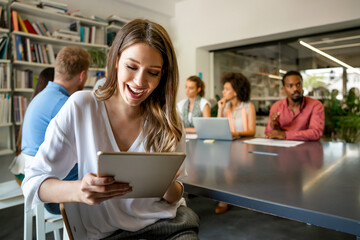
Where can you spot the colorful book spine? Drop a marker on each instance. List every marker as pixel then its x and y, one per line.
pixel 29 27
pixel 15 21
pixel 21 24
pixel 19 48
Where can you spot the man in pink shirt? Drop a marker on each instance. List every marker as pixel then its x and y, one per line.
pixel 295 117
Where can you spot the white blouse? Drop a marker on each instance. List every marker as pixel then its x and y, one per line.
pixel 236 115
pixel 75 135
pixel 181 103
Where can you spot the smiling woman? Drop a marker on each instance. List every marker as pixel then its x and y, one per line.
pixel 133 111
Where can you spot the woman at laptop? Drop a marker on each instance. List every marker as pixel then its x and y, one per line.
pixel 134 111
pixel 236 107
pixel 195 105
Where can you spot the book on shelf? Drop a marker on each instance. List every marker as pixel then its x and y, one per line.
pixel 29 27
pixel 3 46
pixel 99 19
pixel 25 50
pixel 4 49
pixel 20 105
pixel 44 54
pixel 54 9
pixel 44 29
pixel 53 6
pixel 3 77
pixel 17 48
pixel 5 108
pixel 38 49
pixel 36 53
pixel 51 54
pixel 74 27
pixel 70 32
pixel 22 24
pixel 24 78
pixel 36 28
pixel 3 17
pixel 93 35
pixel 110 36
pixel 82 33
pixel 65 36
pixel 118 21
pixel 28 50
pixel 15 23
pixel 53 3
pixel 86 34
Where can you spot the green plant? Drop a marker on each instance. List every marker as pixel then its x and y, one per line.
pixel 97 57
pixel 214 109
pixel 342 118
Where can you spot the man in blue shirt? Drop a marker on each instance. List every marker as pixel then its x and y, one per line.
pixel 71 68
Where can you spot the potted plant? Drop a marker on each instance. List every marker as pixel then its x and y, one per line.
pixel 342 118
pixel 97 57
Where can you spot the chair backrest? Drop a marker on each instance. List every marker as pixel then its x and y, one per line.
pixel 45 222
pixel 72 220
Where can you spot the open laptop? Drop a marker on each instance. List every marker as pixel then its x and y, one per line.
pixel 213 128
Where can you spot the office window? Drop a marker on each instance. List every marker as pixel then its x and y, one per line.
pixel 337 71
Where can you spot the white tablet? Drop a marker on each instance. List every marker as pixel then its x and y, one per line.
pixel 149 174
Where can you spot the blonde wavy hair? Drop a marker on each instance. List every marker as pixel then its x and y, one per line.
pixel 163 129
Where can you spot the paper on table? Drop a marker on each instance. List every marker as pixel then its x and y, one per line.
pixel 191 136
pixel 273 142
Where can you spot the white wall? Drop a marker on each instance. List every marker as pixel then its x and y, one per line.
pixel 159 11
pixel 202 25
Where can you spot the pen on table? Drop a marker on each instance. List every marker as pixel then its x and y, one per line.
pixel 264 153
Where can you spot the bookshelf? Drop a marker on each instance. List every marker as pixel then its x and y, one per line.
pixel 34 48
pixel 12 64
pixel 7 141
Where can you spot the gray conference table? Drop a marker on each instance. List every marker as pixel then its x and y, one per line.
pixel 315 182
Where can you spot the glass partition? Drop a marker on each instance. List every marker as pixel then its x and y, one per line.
pixel 329 63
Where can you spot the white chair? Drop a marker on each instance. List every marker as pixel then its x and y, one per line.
pixel 10 194
pixel 45 222
pixel 72 221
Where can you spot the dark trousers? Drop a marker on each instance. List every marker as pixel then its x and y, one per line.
pixel 185 226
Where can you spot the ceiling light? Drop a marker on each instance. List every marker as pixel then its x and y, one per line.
pixel 328 40
pixel 270 75
pixel 328 56
pixel 340 46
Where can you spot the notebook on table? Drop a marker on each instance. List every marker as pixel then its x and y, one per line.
pixel 213 128
pixel 149 173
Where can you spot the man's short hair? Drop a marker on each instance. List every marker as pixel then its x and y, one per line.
pixel 290 73
pixel 70 61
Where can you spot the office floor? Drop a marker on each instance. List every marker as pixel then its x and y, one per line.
pixel 237 223
pixel 244 224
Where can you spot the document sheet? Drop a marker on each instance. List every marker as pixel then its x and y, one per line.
pixel 273 142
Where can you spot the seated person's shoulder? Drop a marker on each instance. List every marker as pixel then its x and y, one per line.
pixel 181 103
pixel 82 97
pixel 204 102
pixel 314 102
